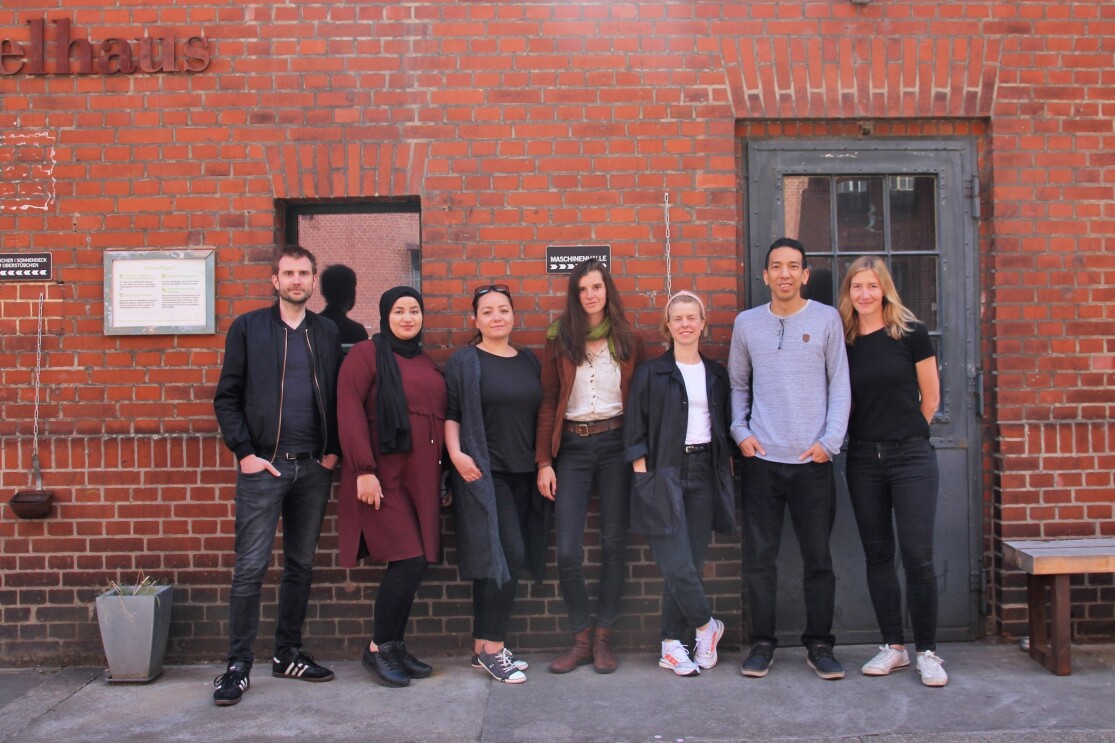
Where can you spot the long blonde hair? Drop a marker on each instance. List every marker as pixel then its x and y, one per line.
pixel 898 320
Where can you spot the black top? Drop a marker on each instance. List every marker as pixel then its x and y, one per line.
pixel 510 393
pixel 300 426
pixel 886 402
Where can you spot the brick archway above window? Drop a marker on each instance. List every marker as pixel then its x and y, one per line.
pixel 874 77
pixel 331 170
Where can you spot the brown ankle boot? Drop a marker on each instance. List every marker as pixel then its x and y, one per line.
pixel 578 655
pixel 603 659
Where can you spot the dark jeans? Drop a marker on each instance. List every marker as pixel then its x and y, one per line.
pixel 681 555
pixel 492 603
pixel 299 496
pixel 899 478
pixel 584 464
pixel 810 492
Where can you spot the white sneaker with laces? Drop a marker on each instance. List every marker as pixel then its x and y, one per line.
pixel 929 666
pixel 705 652
pixel 886 660
pixel 676 658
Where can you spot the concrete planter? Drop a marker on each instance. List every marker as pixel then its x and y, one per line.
pixel 134 629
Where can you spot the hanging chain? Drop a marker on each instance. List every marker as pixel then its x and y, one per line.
pixel 669 268
pixel 38 376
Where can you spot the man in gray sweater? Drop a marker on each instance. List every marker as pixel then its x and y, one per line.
pixel 790 402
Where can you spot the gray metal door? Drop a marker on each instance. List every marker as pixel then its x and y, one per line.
pixel 914 202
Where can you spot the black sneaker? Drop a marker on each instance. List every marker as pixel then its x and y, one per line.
pixel 300 666
pixel 232 684
pixel 760 660
pixel 820 660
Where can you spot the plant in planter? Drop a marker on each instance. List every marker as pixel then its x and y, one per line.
pixel 135 621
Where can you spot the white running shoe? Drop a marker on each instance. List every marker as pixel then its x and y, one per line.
pixel 676 658
pixel 886 660
pixel 705 652
pixel 929 666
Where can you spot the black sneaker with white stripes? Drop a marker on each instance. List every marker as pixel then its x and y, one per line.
pixel 232 684
pixel 300 666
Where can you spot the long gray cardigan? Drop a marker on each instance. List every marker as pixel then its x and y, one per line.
pixel 479 554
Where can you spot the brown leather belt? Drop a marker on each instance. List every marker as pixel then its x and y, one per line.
pixel 591 428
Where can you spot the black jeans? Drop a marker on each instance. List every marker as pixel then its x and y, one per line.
pixel 492 603
pixel 681 555
pixel 900 478
pixel 299 496
pixel 810 492
pixel 584 464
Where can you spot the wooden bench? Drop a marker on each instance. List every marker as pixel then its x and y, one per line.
pixel 1048 564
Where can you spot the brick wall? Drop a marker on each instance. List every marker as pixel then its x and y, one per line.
pixel 517 126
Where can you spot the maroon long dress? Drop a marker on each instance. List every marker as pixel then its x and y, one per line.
pixel 406 524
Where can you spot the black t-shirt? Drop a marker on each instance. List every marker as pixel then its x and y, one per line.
pixel 301 426
pixel 886 403
pixel 510 393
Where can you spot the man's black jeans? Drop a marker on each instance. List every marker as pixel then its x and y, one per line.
pixel 299 496
pixel 809 491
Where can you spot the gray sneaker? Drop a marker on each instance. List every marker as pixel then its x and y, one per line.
pixel 760 660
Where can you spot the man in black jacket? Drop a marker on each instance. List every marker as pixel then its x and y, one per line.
pixel 276 406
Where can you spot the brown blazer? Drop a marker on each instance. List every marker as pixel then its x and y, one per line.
pixel 558 373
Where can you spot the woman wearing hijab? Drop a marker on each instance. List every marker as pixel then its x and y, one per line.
pixel 589 358
pixel 391 414
pixel 494 393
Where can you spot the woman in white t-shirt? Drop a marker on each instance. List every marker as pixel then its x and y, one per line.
pixel 676 436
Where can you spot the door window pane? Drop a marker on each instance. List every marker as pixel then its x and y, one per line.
pixel 913 217
pixel 822 284
pixel 809 210
pixel 915 277
pixel 859 214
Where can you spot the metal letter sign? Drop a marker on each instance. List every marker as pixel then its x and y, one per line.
pixel 563 258
pixel 25 267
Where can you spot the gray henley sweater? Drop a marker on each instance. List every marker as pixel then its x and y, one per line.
pixel 789 378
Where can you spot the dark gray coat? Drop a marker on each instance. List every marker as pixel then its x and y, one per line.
pixel 479 554
pixel 654 422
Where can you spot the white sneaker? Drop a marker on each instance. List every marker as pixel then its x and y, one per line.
pixel 676 658
pixel 705 652
pixel 929 666
pixel 886 660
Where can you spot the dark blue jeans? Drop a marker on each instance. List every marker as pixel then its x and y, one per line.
pixel 585 464
pixel 681 555
pixel 898 478
pixel 299 496
pixel 810 492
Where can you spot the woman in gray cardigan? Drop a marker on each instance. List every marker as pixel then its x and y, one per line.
pixel 494 393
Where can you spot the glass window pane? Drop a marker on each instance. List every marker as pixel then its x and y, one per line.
pixel 915 277
pixel 913 216
pixel 808 210
pixel 859 213
pixel 822 284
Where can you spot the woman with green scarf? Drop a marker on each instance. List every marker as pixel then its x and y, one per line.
pixel 590 356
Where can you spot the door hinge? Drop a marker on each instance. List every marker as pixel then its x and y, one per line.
pixel 971 192
pixel 975 386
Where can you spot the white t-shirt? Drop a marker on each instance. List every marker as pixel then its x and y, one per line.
pixel 699 428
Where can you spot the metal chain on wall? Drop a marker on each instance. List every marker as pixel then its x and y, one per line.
pixel 669 268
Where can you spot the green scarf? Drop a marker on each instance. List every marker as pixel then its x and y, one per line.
pixel 603 330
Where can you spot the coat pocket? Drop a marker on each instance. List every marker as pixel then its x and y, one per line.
pixel 656 501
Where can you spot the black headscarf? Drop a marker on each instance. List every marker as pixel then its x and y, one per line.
pixel 392 421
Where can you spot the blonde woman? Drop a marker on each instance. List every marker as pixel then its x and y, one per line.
pixel 892 468
pixel 676 436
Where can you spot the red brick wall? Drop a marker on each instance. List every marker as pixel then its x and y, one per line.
pixel 517 126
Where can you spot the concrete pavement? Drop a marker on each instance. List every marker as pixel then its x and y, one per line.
pixel 996 694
